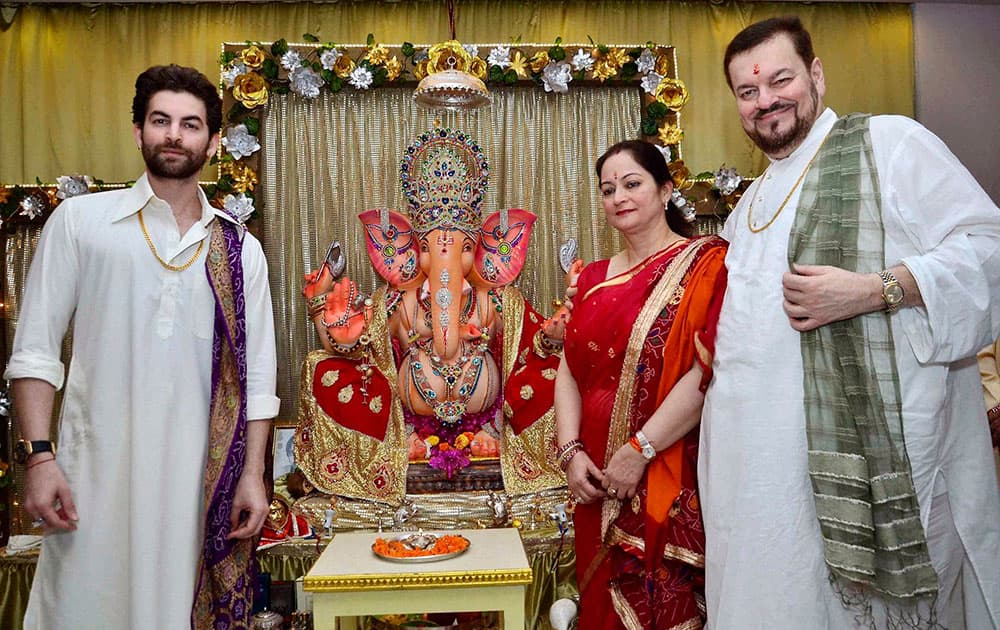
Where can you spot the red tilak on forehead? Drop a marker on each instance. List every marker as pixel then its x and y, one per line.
pixel 756 68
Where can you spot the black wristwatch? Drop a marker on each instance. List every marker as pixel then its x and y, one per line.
pixel 26 448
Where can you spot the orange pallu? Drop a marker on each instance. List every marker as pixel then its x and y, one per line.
pixel 640 562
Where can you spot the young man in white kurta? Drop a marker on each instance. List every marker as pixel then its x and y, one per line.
pixel 133 434
pixel 765 564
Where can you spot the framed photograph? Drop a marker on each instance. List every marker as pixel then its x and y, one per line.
pixel 284 449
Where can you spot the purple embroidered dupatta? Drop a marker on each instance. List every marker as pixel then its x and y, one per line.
pixel 227 568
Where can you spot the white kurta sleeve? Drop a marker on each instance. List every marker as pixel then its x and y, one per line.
pixel 49 299
pixel 953 249
pixel 261 355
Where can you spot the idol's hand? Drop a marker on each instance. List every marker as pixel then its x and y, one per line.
pixel 816 295
pixel 346 313
pixel 623 473
pixel 584 479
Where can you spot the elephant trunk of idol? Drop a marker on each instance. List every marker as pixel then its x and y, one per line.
pixel 446 279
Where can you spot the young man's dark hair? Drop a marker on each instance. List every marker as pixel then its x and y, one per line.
pixel 756 34
pixel 177 79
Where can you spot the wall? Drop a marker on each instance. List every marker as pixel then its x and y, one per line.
pixel 957 84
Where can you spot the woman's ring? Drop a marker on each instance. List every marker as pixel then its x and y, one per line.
pixel 38 522
pixel 613 492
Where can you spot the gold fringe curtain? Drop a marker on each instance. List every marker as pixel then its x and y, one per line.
pixel 66 72
pixel 326 160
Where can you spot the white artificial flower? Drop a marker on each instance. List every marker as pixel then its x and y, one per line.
pixel 582 60
pixel 650 82
pixel 472 49
pixel 727 180
pixel 239 142
pixel 420 55
pixel 556 76
pixel 235 69
pixel 646 61
pixel 665 152
pixel 328 58
pixel 291 60
pixel 240 207
pixel 73 185
pixel 305 82
pixel 30 207
pixel 686 208
pixel 499 56
pixel 361 78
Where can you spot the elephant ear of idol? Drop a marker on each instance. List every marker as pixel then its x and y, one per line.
pixel 503 246
pixel 392 247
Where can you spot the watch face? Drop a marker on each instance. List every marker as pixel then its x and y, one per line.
pixel 893 294
pixel 20 453
pixel 648 451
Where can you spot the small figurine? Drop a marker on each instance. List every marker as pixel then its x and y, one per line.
pixel 500 504
pixel 330 515
pixel 404 513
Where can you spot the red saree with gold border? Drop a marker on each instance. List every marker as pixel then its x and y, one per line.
pixel 640 563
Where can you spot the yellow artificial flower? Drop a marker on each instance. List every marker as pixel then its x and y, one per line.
pixel 432 440
pixel 251 90
pixel 518 64
pixel 393 68
pixel 344 66
pixel 672 93
pixel 447 55
pixel 244 177
pixel 461 442
pixel 670 134
pixel 680 174
pixel 253 57
pixel 662 67
pixel 377 55
pixel 603 70
pixel 539 61
pixel 617 57
pixel 479 68
pixel 420 70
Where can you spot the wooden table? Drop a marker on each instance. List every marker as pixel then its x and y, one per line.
pixel 349 580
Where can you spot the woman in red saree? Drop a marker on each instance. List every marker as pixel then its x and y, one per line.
pixel 628 401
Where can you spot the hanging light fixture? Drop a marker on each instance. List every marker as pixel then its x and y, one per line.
pixel 449 84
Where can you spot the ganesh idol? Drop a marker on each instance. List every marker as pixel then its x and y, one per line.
pixel 445 363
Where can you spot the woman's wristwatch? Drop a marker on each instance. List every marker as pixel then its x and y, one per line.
pixel 641 444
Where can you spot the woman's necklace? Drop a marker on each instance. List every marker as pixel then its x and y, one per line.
pixel 165 264
pixel 757 230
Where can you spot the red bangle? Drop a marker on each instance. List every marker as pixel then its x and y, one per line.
pixel 634 441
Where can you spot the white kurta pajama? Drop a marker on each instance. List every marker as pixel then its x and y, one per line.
pixel 765 566
pixel 133 433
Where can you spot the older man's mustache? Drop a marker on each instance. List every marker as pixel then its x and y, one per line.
pixel 773 108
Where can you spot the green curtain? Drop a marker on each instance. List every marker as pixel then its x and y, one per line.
pixel 66 71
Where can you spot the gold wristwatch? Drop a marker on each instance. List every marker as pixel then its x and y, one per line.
pixel 892 291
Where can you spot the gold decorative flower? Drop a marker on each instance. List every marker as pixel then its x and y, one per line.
pixel 251 90
pixel 527 391
pixel 662 67
pixel 672 93
pixel 393 68
pixel 420 70
pixel 549 374
pixel 617 57
pixel 253 57
pixel 603 70
pixel 670 134
pixel 377 55
pixel 447 55
pixel 376 404
pixel 346 394
pixel 479 68
pixel 680 174
pixel 518 64
pixel 344 66
pixel 539 60
pixel 244 177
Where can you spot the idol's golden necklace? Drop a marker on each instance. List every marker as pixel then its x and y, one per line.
pixel 165 264
pixel 795 186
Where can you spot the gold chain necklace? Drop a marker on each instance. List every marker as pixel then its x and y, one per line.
pixel 787 197
pixel 165 264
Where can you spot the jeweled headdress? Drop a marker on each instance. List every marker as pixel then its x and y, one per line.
pixel 444 175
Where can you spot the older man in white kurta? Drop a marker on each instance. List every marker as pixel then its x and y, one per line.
pixel 765 554
pixel 134 429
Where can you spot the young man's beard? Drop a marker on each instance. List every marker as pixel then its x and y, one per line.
pixel 178 169
pixel 776 144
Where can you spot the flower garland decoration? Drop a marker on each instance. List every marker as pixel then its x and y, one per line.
pixel 251 73
pixel 33 204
